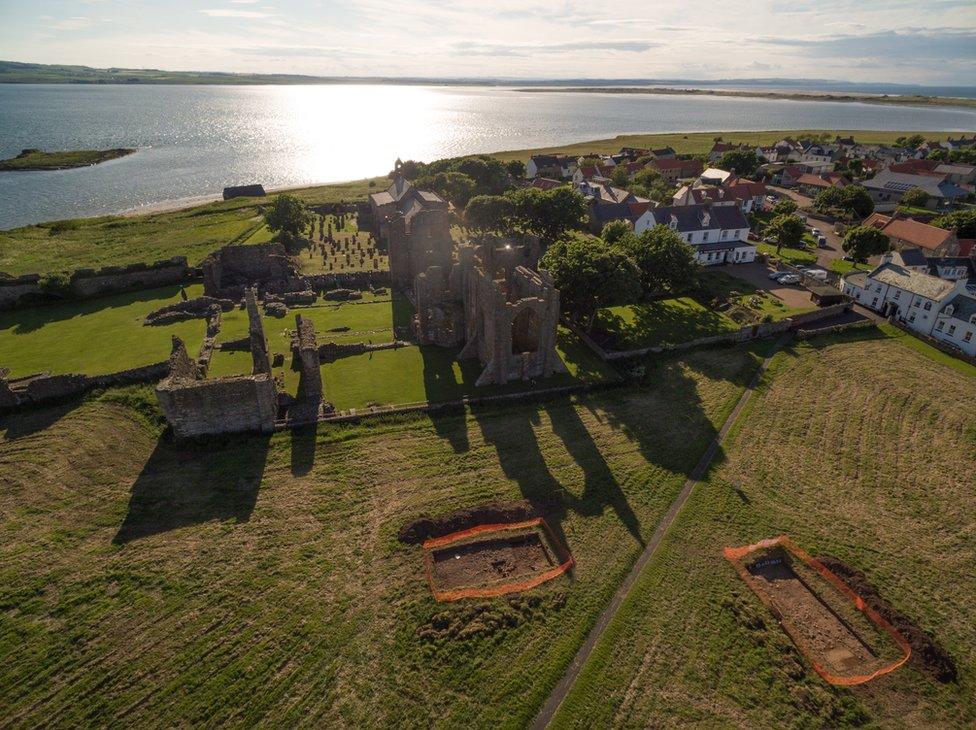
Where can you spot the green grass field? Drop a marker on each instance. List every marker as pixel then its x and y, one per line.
pixel 93 337
pixel 853 449
pixel 795 256
pixel 61 160
pixel 659 323
pixel 259 580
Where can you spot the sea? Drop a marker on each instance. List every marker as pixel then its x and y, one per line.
pixel 192 141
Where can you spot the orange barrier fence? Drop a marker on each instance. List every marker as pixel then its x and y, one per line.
pixel 735 554
pixel 491 591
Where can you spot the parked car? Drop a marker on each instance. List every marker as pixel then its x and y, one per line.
pixel 775 276
pixel 788 279
pixel 816 274
pixel 815 232
pixel 822 242
pixel 752 236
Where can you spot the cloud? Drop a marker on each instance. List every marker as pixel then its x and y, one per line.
pixel 940 44
pixel 473 48
pixel 300 52
pixel 231 13
pixel 75 23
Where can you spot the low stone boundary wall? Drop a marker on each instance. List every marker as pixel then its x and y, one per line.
pixel 349 280
pixel 807 334
pixel 31 289
pixel 44 388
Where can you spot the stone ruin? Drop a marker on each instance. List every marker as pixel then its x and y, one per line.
pixel 196 406
pixel 503 313
pixel 305 359
pixel 266 266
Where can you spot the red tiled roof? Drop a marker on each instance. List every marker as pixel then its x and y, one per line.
pixel 910 231
pixel 966 246
pixel 915 167
pixel 638 209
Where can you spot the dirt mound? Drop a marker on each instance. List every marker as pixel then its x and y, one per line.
pixel 424 528
pixel 927 654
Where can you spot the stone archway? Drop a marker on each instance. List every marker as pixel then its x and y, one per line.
pixel 525 331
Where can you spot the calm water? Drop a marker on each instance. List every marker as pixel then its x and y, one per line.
pixel 193 141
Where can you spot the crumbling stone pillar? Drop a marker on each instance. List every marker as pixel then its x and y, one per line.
pixel 261 363
pixel 306 351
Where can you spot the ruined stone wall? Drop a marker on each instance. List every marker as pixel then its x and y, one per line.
pixel 261 362
pixel 306 352
pixel 417 243
pixel 266 265
pixel 222 405
pixel 88 283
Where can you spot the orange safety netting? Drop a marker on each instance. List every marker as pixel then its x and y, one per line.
pixel 566 561
pixel 735 555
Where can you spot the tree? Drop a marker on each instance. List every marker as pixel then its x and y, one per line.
pixel 456 187
pixel 591 274
pixel 548 214
pixel 853 201
pixel 913 141
pixel 614 231
pixel 915 198
pixel 962 221
pixel 787 230
pixel 665 261
pixel 488 212
pixel 288 214
pixel 785 206
pixel 741 162
pixel 619 176
pixel 515 168
pixel 862 242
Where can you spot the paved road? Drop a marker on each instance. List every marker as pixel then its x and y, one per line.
pixel 833 250
pixel 561 689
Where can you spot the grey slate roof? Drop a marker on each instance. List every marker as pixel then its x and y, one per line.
pixel 963 307
pixel 925 285
pixel 690 218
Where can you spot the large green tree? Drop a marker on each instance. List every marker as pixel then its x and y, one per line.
pixel 962 221
pixel 665 261
pixel 488 213
pixel 742 162
pixel 785 206
pixel 850 203
pixel 915 197
pixel 548 214
pixel 787 230
pixel 591 274
pixel 862 242
pixel 288 214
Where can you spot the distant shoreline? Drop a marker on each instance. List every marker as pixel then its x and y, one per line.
pixel 900 100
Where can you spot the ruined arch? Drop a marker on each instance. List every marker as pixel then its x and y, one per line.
pixel 525 331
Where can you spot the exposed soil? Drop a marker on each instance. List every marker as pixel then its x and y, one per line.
pixel 927 654
pixel 425 528
pixel 488 561
pixel 832 642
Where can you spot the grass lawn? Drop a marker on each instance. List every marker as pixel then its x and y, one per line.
pixel 95 336
pixel 749 304
pixel 659 323
pixel 926 349
pixel 120 240
pixel 795 256
pixel 854 450
pixel 839 266
pixel 258 580
pixel 350 250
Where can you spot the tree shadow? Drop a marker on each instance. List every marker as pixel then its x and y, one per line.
pixel 189 485
pixel 659 323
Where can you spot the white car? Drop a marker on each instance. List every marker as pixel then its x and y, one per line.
pixel 816 274
pixel 815 232
pixel 788 279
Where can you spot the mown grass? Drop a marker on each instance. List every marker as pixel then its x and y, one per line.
pixel 795 256
pixel 259 580
pixel 95 336
pixel 852 448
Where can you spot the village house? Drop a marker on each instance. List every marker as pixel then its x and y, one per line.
pixel 673 170
pixel 931 306
pixel 950 268
pixel 545 183
pixel 608 203
pixel 810 184
pixel 589 172
pixel 908 233
pixel 719 149
pixel 543 166
pixel 748 195
pixel 718 233
pixel 957 173
pixel 887 188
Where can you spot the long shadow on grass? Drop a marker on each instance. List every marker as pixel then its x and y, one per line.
pixel 28 320
pixel 18 425
pixel 189 484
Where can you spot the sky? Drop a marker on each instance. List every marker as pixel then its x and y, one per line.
pixel 902 41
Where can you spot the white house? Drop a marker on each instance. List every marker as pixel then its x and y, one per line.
pixel 955 323
pixel 911 296
pixel 718 233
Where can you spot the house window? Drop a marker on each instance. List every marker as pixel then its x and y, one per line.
pixel 874 303
pixel 938 326
pixel 897 293
pixel 968 337
pixel 915 303
pixel 912 318
pixel 928 306
pixel 952 330
pixel 705 236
